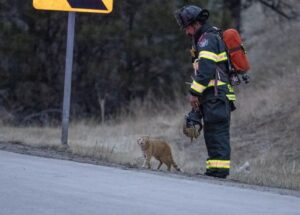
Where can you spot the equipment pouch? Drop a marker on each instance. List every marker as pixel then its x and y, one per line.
pixel 215 110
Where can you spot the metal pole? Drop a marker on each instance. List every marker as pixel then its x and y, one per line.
pixel 68 78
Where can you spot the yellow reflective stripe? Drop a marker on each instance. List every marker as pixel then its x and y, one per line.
pixel 230 88
pixel 212 83
pixel 231 97
pixel 212 56
pixel 222 164
pixel 208 55
pixel 222 56
pixel 198 87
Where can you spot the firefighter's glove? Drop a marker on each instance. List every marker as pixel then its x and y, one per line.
pixel 192 126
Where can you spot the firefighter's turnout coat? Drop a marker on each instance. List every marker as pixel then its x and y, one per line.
pixel 211 85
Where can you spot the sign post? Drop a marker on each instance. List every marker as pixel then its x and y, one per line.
pixel 89 6
pixel 68 78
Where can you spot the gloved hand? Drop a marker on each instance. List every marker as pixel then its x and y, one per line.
pixel 192 126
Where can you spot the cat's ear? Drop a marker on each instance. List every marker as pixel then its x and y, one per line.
pixel 139 141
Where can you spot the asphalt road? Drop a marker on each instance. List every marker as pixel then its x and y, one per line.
pixel 39 186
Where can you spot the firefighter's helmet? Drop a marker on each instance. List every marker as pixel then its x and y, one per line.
pixel 190 14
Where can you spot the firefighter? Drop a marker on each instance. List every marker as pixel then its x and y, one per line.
pixel 210 92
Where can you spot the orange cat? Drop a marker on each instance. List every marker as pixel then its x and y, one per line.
pixel 158 149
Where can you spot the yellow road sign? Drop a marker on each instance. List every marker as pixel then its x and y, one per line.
pixel 90 6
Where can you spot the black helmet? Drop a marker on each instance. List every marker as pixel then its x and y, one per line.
pixel 189 14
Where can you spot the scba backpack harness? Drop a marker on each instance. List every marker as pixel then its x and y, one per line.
pixel 238 64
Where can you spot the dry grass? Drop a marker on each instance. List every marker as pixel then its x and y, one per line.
pixel 36 136
pixel 272 169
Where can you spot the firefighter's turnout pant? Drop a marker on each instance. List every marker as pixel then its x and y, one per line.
pixel 216 118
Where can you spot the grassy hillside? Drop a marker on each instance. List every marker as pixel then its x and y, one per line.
pixel 266 127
